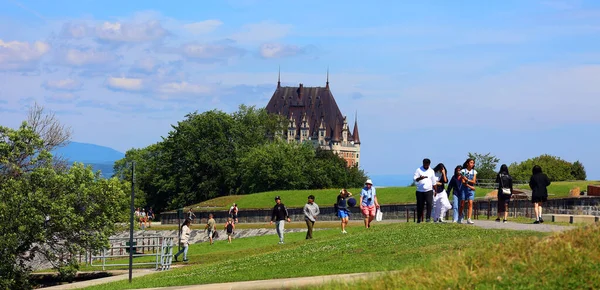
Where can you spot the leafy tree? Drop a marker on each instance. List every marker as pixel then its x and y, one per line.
pixel 578 171
pixel 486 165
pixel 45 211
pixel 556 168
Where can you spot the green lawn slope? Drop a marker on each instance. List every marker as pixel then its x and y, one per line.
pixel 384 247
pixel 326 197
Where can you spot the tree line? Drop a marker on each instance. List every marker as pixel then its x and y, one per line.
pixel 556 168
pixel 214 154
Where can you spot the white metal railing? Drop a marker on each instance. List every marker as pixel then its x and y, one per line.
pixel 148 246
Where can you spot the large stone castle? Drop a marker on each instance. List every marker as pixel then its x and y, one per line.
pixel 314 116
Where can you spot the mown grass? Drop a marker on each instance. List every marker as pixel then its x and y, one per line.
pixel 562 188
pixel 297 198
pixel 570 260
pixel 326 197
pixel 384 247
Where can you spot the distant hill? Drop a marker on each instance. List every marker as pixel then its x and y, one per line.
pixel 99 157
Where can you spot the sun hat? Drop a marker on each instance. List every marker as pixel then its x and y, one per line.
pixel 369 182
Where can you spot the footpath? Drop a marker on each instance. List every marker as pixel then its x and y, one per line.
pixel 299 281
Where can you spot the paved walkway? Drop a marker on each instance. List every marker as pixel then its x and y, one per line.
pixel 301 281
pixel 545 227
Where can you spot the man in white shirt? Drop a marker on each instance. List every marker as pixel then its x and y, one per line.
pixel 425 179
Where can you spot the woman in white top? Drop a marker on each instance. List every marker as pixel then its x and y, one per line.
pixel 185 240
pixel 440 197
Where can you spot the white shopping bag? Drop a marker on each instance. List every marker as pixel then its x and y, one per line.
pixel 379 215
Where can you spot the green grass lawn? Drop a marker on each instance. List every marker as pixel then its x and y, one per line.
pixel 561 189
pixel 383 247
pixel 570 260
pixel 297 198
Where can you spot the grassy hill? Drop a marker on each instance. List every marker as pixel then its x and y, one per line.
pixel 429 256
pixel 327 197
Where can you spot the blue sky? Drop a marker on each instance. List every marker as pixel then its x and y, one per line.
pixel 433 79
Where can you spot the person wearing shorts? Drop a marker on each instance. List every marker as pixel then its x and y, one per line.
pixel 211 227
pixel 368 203
pixel 469 179
pixel 342 208
pixel 538 183
pixel 229 228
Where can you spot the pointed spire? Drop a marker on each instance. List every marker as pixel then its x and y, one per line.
pixel 355 136
pixel 279 78
pixel 327 83
pixel 336 132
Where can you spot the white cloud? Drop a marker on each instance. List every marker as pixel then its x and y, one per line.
pixel 203 27
pixel 61 98
pixel 276 50
pixel 125 84
pixel 63 85
pixel 75 30
pixel 180 88
pixel 210 52
pixel 145 65
pixel 87 56
pixel 261 32
pixel 15 55
pixel 130 32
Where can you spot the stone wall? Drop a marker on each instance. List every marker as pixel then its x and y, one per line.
pixel 574 206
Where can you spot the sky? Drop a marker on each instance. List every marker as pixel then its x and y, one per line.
pixel 436 79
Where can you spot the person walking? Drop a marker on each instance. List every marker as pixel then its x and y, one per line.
pixel 150 217
pixel 342 208
pixel 425 179
pixel 538 183
pixel 505 192
pixel 211 227
pixel 279 216
pixel 440 198
pixel 455 188
pixel 229 227
pixel 311 211
pixel 184 240
pixel 191 215
pixel 368 202
pixel 469 179
pixel 233 212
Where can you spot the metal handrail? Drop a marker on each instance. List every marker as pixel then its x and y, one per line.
pixel 162 248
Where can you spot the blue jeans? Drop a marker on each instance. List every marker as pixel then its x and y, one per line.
pixel 184 251
pixel 455 207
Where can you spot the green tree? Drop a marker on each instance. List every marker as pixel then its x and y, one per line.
pixel 578 171
pixel 486 165
pixel 556 168
pixel 57 214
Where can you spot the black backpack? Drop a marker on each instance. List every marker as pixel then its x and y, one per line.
pixel 230 227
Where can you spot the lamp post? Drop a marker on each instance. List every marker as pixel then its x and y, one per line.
pixel 132 209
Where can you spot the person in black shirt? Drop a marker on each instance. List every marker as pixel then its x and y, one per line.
pixel 505 191
pixel 279 216
pixel 538 184
pixel 454 188
pixel 342 208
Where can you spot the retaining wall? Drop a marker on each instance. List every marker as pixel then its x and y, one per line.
pixel 482 209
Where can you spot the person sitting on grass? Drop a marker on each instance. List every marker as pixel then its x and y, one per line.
pixel 184 240
pixel 211 227
pixel 229 227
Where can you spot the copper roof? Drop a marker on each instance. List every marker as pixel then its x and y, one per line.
pixel 317 103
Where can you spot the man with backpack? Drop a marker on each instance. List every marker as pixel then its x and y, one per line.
pixel 279 216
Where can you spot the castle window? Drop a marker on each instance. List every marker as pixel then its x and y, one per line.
pixel 356 155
